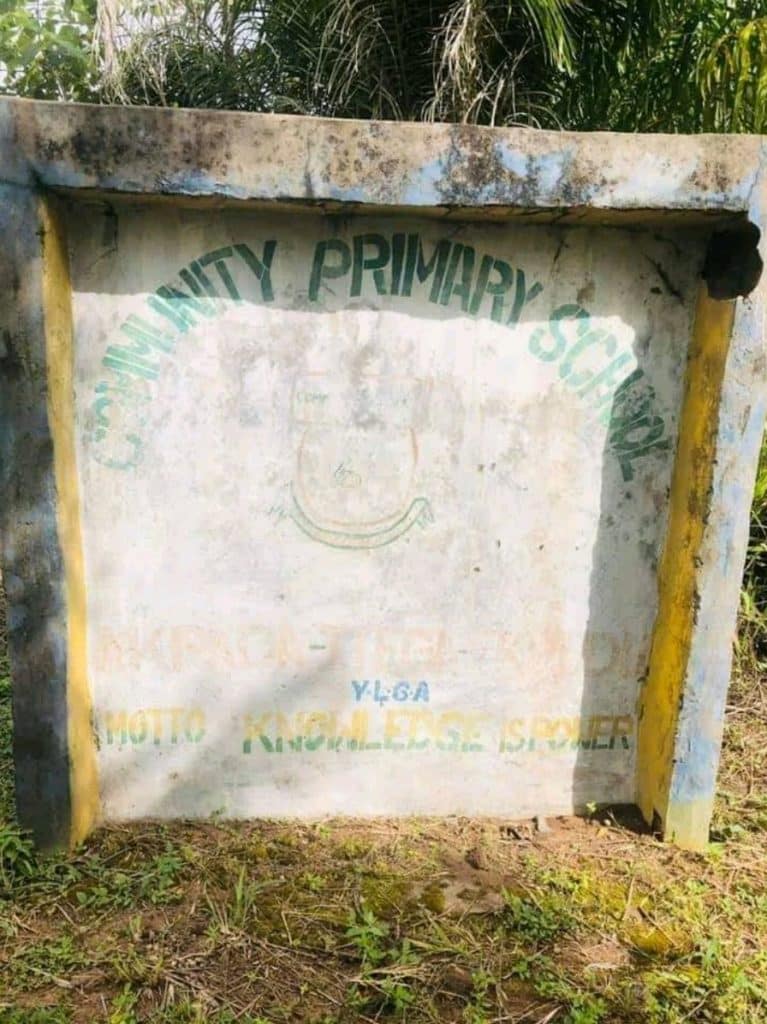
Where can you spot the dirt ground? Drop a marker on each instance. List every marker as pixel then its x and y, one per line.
pixel 459 920
pixel 577 921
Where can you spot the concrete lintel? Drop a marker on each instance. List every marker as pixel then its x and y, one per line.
pixel 155 151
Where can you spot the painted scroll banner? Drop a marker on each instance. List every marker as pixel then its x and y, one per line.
pixel 316 453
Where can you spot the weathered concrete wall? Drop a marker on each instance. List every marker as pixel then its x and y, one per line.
pixel 372 469
pixel 360 542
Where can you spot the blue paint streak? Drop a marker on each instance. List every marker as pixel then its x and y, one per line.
pixel 522 180
pixel 193 183
pixel 354 194
pixel 695 774
pixel 545 172
pixel 423 190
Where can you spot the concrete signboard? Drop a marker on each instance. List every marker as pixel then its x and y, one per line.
pixel 372 469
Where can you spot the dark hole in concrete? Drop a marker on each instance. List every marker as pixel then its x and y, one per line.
pixel 733 265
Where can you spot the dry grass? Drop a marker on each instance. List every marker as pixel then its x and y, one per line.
pixel 743 771
pixel 344 921
pixel 444 921
pixel 420 921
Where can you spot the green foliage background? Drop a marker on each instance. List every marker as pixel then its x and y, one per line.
pixel 620 65
pixel 46 49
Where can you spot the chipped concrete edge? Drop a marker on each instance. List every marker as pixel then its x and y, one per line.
pixel 158 151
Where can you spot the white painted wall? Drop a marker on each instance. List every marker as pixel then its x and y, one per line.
pixel 329 498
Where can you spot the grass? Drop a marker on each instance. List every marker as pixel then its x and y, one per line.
pixel 743 803
pixel 6 756
pixel 260 923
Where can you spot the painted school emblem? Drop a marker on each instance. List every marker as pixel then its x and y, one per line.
pixel 354 478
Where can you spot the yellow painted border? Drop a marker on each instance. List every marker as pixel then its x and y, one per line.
pixel 662 697
pixel 57 311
